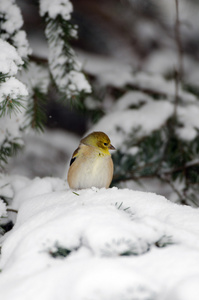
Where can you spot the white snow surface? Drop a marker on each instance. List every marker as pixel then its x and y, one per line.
pixel 73 81
pixel 123 244
pixel 124 119
pixel 120 124
pixel 11 88
pixel 189 117
pixel 35 76
pixel 11 13
pixel 78 82
pixel 3 211
pixel 21 43
pixel 10 61
pixel 57 57
pixel 55 8
pixel 10 127
pixel 14 19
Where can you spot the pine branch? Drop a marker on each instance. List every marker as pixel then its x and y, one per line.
pixel 13 32
pixel 8 149
pixel 63 63
pixel 36 110
pixel 181 168
pixel 8 106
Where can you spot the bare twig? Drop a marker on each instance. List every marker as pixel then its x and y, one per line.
pixel 182 168
pixel 181 197
pixel 179 71
pixel 176 72
pixel 131 174
pixel 12 210
pixel 179 42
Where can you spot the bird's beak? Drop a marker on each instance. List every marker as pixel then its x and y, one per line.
pixel 111 147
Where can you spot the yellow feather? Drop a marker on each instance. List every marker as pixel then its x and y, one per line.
pixel 91 164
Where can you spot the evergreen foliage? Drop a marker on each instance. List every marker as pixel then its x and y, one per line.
pixel 163 154
pixel 23 106
pixel 60 252
pixel 64 66
pixel 154 117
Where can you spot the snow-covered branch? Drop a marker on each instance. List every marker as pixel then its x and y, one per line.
pixel 64 65
pixel 11 22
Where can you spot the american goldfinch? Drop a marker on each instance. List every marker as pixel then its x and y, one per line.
pixel 91 164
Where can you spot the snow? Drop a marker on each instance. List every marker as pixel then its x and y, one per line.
pixel 21 43
pixel 131 98
pixel 149 117
pixel 13 89
pixel 182 290
pixel 78 82
pixel 118 74
pixel 122 244
pixel 41 151
pixel 11 13
pixel 56 7
pixel 155 82
pixel 35 76
pixel 69 79
pixel 14 19
pixel 10 61
pixel 188 116
pixel 137 110
pixel 10 128
pixel 3 212
pixel 108 70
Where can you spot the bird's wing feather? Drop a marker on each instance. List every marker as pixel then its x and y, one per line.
pixel 75 154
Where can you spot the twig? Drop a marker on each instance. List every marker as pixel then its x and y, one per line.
pixel 35 104
pixel 182 168
pixel 179 42
pixel 178 71
pixel 12 210
pixel 173 188
pixel 39 60
pixel 131 176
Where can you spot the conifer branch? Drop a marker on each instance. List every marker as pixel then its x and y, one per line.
pixel 64 66
pixel 36 110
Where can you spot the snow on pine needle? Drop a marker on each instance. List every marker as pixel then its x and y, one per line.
pixel 64 65
pixel 11 22
pixel 155 128
pixel 37 80
pixel 14 53
pixel 12 95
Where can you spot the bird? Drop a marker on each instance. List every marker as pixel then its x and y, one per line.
pixel 91 164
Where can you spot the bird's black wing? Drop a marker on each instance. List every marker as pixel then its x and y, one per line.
pixel 74 156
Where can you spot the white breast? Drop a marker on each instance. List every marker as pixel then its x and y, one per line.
pixel 97 172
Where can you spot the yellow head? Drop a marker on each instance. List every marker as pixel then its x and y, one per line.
pixel 98 140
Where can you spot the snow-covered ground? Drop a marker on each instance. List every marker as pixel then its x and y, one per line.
pixel 114 244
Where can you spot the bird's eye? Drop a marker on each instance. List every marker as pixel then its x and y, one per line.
pixel 105 144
